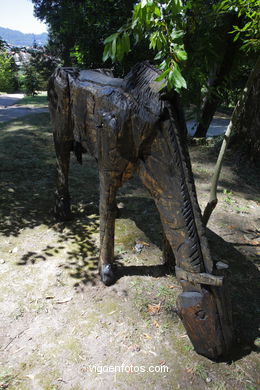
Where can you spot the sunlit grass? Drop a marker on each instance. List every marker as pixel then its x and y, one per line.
pixel 40 100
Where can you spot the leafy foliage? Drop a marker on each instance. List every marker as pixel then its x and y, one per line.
pixel 36 72
pixel 248 29
pixel 7 75
pixel 77 28
pixel 196 31
pixel 159 22
pixel 31 80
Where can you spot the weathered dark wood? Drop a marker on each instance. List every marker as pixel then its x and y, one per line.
pixel 199 315
pixel 201 278
pixel 127 125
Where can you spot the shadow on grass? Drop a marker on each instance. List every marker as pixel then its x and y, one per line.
pixel 27 183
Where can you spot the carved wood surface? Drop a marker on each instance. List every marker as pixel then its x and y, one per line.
pixel 128 125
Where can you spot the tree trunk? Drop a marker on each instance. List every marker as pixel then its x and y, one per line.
pixel 246 134
pixel 243 130
pixel 212 99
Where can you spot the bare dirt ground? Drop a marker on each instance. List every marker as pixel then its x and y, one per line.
pixel 60 327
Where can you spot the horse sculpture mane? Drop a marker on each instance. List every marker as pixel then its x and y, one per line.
pixel 128 125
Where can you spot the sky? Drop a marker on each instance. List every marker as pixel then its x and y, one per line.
pixel 18 15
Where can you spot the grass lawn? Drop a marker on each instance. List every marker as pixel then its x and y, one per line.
pixel 37 101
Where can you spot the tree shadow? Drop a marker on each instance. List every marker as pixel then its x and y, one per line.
pixel 244 287
pixel 245 176
pixel 243 274
pixel 27 184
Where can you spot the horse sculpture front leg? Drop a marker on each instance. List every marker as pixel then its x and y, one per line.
pixel 108 213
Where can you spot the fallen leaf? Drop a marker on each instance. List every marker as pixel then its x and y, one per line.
pixel 144 243
pixel 154 309
pixel 112 312
pixel 173 286
pixel 64 301
pixel 162 363
pixel 146 336
pixel 156 324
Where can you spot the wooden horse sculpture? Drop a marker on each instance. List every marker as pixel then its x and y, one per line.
pixel 128 125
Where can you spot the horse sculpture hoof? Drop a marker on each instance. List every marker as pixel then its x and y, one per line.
pixel 107 275
pixel 62 210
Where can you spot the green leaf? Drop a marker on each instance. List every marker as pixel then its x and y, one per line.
pixel 175 6
pixel 153 40
pixel 158 55
pixel 176 34
pixel 181 55
pixel 157 11
pixel 111 38
pixel 119 49
pixel 137 9
pixel 162 75
pixel 106 53
pixel 126 42
pixel 113 51
pixel 237 36
pixel 163 65
pixel 177 79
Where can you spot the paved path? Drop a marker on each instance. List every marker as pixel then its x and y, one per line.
pixel 218 125
pixel 10 99
pixel 9 111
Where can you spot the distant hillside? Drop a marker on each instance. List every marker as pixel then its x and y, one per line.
pixel 17 38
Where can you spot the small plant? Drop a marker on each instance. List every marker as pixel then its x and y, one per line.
pixel 241 209
pixel 228 198
pixel 188 348
pixel 6 379
pixel 200 370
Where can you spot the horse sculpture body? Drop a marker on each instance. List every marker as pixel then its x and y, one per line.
pixel 127 125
